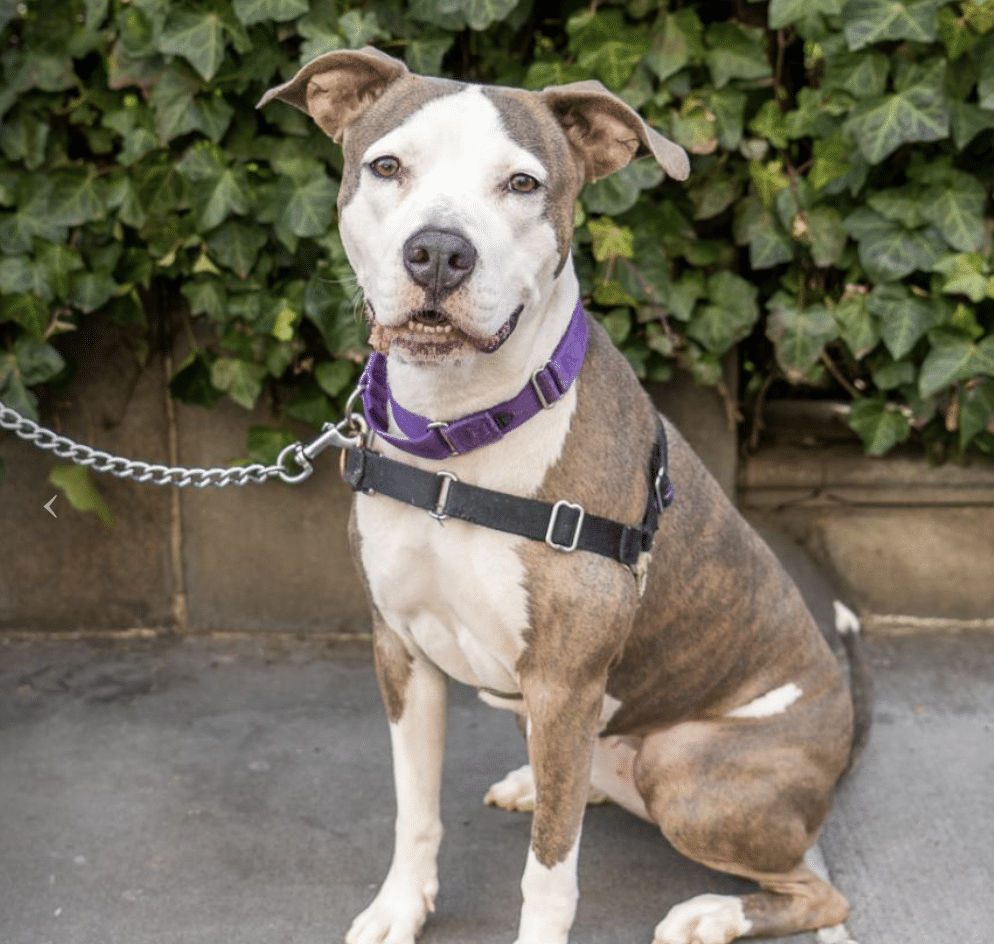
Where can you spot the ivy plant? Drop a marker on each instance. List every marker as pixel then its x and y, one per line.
pixel 836 225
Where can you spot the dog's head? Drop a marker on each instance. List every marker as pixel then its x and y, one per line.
pixel 456 204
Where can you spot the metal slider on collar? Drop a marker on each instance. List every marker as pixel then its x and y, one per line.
pixel 553 391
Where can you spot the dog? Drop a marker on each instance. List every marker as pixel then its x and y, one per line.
pixel 685 679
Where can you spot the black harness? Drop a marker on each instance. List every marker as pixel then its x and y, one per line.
pixel 563 525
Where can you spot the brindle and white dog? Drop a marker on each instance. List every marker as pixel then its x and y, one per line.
pixel 710 704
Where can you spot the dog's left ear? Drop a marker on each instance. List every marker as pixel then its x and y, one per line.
pixel 336 88
pixel 607 133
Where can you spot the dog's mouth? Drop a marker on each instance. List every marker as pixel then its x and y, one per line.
pixel 431 333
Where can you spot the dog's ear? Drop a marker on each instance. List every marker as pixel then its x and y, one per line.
pixel 336 88
pixel 607 133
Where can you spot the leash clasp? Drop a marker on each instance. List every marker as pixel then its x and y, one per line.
pixel 554 520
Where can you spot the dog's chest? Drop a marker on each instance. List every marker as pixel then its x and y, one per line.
pixel 457 591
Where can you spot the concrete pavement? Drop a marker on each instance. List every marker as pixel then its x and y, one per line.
pixel 234 792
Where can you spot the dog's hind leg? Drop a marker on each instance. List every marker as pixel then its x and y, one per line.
pixel 747 795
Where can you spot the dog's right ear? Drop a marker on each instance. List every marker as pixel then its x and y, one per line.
pixel 336 88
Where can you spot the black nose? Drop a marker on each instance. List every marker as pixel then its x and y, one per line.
pixel 439 259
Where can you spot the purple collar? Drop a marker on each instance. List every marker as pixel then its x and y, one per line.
pixel 435 440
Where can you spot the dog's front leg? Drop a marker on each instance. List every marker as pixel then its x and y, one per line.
pixel 414 692
pixel 562 724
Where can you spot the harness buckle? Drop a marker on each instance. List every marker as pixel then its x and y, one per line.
pixel 554 520
pixel 445 483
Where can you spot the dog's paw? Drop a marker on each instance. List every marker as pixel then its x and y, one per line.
pixel 516 792
pixel 706 919
pixel 396 915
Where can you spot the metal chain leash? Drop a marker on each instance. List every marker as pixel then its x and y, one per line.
pixel 349 432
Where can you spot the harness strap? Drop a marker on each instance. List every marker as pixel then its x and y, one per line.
pixel 562 525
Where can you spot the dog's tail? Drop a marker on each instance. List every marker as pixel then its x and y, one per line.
pixel 860 679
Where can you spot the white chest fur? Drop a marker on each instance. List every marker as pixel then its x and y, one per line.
pixel 457 591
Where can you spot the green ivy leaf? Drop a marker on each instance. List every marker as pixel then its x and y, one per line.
pixel 736 52
pixel 192 381
pixel 831 161
pixel 178 110
pixel 606 46
pixel 966 274
pixel 259 11
pixel 241 380
pixel 20 274
pixel 953 359
pixel 872 21
pixel 784 12
pixel 610 240
pixel 879 424
pixel 198 37
pixel 861 74
pixel 74 482
pixel 957 210
pixel 889 251
pixel 75 198
pixel 236 245
pixel 976 411
pixel 218 190
pixel 799 335
pixel 206 297
pixel 620 191
pixel 731 316
pixel 916 114
pixel 37 361
pixel 333 377
pixel 479 14
pixel 303 207
pixel 857 325
pixel 955 33
pixel 968 121
pixel 826 233
pixel 89 291
pixel 904 317
pixel 670 50
pixel 13 390
pixel 29 311
pixel 759 228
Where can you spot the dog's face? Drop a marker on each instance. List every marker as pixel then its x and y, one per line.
pixel 471 210
pixel 456 206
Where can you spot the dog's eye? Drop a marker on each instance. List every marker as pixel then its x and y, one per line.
pixel 385 166
pixel 523 183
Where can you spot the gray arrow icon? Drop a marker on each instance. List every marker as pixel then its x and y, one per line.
pixel 48 507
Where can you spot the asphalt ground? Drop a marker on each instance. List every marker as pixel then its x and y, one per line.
pixel 231 792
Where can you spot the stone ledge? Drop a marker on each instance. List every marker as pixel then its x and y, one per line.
pixel 906 541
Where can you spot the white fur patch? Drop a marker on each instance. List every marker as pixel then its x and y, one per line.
pixel 845 620
pixel 706 919
pixel 550 897
pixel 772 703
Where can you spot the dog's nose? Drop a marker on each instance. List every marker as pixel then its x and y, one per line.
pixel 439 259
